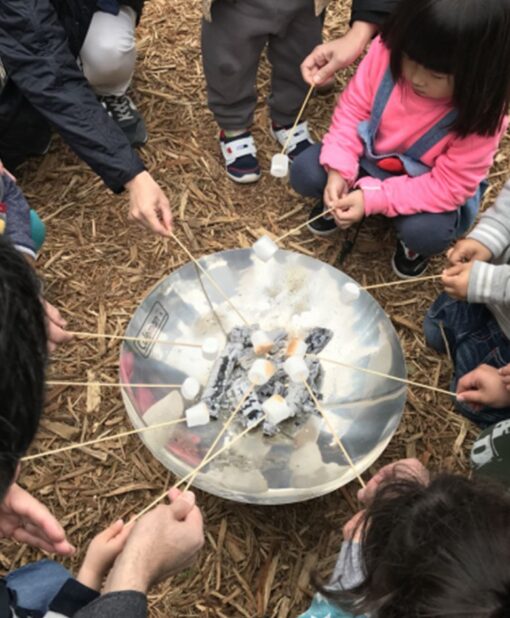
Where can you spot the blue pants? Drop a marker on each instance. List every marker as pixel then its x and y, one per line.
pixel 425 233
pixel 37 584
pixel 474 338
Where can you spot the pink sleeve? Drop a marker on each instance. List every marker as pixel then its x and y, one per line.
pixel 451 182
pixel 341 146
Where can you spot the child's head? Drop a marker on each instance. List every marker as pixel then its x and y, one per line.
pixel 22 360
pixel 462 48
pixel 435 551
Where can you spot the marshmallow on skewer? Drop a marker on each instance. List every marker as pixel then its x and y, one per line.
pixel 279 165
pixel 210 348
pixel 261 372
pixel 262 342
pixel 296 368
pixel 265 248
pixel 190 389
pixel 197 415
pixel 276 409
pixel 296 347
pixel 351 292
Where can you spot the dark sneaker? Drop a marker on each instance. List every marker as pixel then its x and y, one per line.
pixel 124 112
pixel 407 264
pixel 490 456
pixel 240 156
pixel 299 141
pixel 321 226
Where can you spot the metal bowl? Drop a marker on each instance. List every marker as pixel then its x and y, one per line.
pixel 301 462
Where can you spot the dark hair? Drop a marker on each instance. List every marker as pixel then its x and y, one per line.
pixel 468 39
pixel 435 551
pixel 23 358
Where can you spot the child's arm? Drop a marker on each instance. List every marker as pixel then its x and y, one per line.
pixel 454 178
pixel 101 554
pixel 342 146
pixel 479 282
pixel 493 230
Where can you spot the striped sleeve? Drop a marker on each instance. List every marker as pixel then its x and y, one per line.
pixel 489 284
pixel 493 230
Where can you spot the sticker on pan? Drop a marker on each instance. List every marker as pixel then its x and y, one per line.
pixel 151 328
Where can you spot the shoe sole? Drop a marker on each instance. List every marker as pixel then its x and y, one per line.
pixel 322 234
pixel 401 275
pixel 244 180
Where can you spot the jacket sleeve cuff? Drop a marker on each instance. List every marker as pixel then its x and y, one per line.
pixel 491 237
pixel 375 199
pixel 372 17
pixel 72 597
pixel 119 184
pixel 347 167
pixel 125 604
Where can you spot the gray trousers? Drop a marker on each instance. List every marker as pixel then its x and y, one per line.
pixel 232 44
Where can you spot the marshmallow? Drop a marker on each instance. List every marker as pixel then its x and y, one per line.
pixel 265 248
pixel 197 415
pixel 296 347
pixel 296 368
pixel 210 348
pixel 262 342
pixel 350 292
pixel 261 372
pixel 279 165
pixel 276 409
pixel 190 389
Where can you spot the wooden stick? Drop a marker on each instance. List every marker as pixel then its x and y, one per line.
pixel 302 225
pixel 220 434
pixel 202 464
pixel 331 428
pixel 402 282
pixel 131 432
pixel 298 118
pixel 113 384
pixel 213 282
pixel 83 335
pixel 388 376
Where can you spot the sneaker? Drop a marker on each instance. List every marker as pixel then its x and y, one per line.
pixel 240 156
pixel 299 141
pixel 407 264
pixel 321 226
pixel 126 115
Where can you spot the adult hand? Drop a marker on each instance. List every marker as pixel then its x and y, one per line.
pixel 149 206
pixel 162 543
pixel 55 327
pixel 350 209
pixel 504 372
pixel 404 468
pixel 456 280
pixel 328 58
pixel 25 519
pixel 483 387
pixel 335 189
pixel 467 250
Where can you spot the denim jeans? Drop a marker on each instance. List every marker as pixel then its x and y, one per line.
pixel 424 233
pixel 37 584
pixel 474 338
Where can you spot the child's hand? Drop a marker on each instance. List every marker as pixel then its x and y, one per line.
pixel 335 190
pixel 101 554
pixel 504 372
pixel 350 210
pixel 456 280
pixel 55 327
pixel 482 387
pixel 467 250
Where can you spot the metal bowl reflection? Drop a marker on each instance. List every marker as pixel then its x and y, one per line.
pixel 301 462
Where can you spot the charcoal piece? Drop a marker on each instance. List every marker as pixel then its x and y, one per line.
pixel 317 339
pixel 220 378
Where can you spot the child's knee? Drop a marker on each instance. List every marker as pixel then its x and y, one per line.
pixel 307 176
pixel 427 234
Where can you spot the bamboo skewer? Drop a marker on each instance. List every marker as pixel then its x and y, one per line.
pixel 83 335
pixel 298 118
pixel 124 434
pixel 380 374
pixel 107 384
pixel 331 428
pixel 211 279
pixel 201 465
pixel 401 282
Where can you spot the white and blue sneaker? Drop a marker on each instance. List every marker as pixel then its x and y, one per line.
pixel 240 156
pixel 299 141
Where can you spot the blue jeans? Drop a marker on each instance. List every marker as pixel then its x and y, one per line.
pixel 37 584
pixel 425 233
pixel 474 338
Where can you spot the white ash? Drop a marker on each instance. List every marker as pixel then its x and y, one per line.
pixel 228 381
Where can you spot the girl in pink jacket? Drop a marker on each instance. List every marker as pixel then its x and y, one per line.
pixel 416 130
